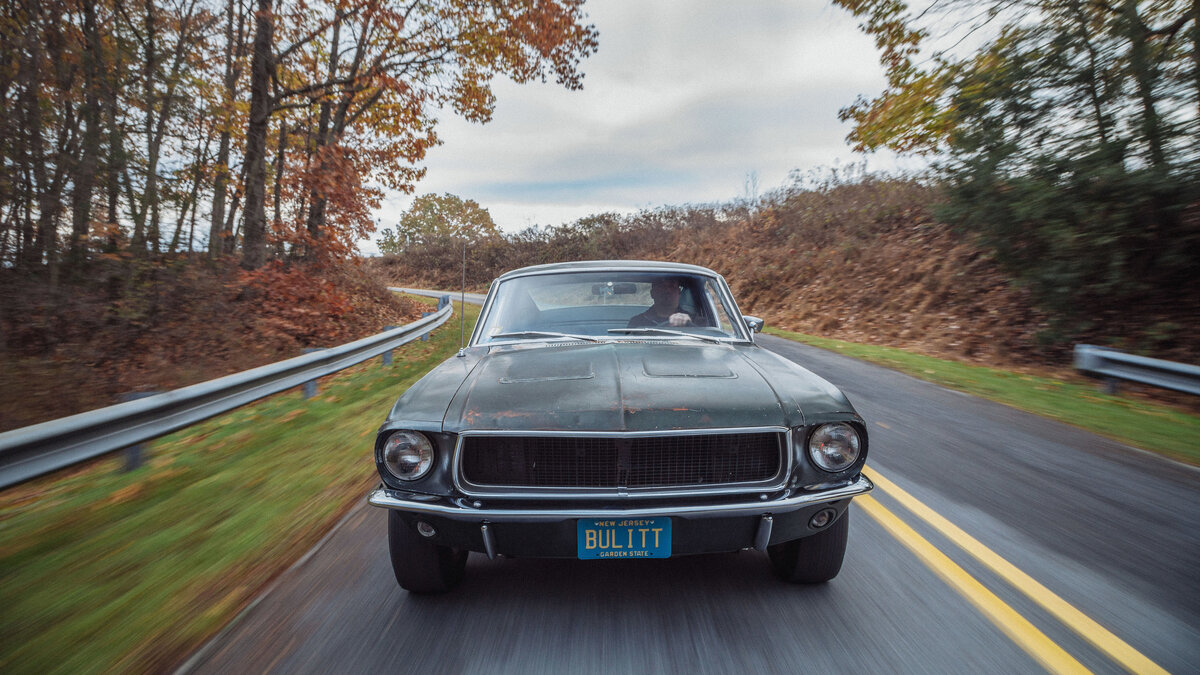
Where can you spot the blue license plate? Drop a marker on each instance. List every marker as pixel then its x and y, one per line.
pixel 624 538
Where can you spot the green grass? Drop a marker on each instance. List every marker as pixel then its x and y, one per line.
pixel 1157 428
pixel 104 571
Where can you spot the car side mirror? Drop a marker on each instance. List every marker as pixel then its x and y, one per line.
pixel 754 323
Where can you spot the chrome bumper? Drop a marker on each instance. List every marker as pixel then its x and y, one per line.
pixel 464 510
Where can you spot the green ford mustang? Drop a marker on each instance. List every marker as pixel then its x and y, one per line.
pixel 617 409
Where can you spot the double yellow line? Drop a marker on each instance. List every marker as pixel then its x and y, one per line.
pixel 1054 658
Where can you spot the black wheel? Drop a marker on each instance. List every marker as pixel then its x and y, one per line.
pixel 812 560
pixel 420 565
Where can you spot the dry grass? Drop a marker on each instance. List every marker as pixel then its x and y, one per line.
pixel 861 259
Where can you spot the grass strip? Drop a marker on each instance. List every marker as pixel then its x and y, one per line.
pixel 1157 428
pixel 105 571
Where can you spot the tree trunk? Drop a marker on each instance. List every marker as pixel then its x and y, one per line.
pixel 229 244
pixel 277 188
pixel 156 132
pixel 46 190
pixel 254 230
pixel 31 142
pixel 1092 85
pixel 81 196
pixel 316 213
pixel 149 67
pixel 216 231
pixel 1144 74
pixel 115 163
pixel 218 234
pixel 193 198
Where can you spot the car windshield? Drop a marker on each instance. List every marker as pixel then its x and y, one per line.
pixel 614 305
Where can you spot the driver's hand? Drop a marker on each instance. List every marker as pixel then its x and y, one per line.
pixel 680 319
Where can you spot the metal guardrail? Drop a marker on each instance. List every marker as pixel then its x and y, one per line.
pixel 473 298
pixel 1115 365
pixel 41 448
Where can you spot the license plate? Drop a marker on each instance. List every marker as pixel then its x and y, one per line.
pixel 624 538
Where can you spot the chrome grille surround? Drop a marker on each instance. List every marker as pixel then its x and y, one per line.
pixel 628 464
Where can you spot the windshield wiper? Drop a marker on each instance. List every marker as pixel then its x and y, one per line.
pixel 664 331
pixel 542 333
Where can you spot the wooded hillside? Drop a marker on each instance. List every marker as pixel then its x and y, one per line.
pixel 156 327
pixel 864 259
pixel 183 181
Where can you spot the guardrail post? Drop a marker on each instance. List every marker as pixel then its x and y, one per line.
pixel 442 302
pixel 310 387
pixel 133 453
pixel 387 356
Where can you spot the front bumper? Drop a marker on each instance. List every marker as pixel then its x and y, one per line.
pixel 547 531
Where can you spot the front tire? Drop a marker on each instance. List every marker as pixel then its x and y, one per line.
pixel 420 565
pixel 814 559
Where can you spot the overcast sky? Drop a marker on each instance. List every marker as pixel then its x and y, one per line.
pixel 682 102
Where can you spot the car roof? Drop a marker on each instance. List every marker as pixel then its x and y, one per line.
pixel 615 265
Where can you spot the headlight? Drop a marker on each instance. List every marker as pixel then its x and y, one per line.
pixel 408 455
pixel 834 447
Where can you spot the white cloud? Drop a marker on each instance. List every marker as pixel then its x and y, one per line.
pixel 682 101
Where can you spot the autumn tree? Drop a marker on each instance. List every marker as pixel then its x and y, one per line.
pixel 40 131
pixel 1069 139
pixel 148 128
pixel 373 76
pixel 169 48
pixel 227 119
pixel 438 218
pixel 109 141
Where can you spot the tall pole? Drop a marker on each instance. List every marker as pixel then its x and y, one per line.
pixel 462 302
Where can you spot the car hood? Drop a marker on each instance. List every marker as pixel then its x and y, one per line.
pixel 618 386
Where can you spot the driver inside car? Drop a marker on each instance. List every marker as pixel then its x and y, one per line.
pixel 665 311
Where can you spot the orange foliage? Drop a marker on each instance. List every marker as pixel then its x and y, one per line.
pixel 339 173
pixel 138 325
pixel 359 85
pixel 290 292
pixel 863 261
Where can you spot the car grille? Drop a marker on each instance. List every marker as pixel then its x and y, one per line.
pixel 666 461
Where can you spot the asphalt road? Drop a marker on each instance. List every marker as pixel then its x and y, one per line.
pixel 1108 539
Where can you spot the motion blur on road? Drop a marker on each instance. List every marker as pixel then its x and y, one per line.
pixel 184 188
pixel 1104 541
